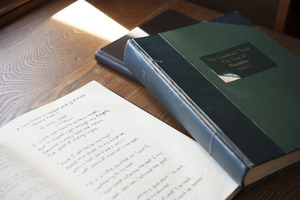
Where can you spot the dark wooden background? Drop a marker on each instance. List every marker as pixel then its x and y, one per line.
pixel 43 59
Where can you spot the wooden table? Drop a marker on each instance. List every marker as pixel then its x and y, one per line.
pixel 44 57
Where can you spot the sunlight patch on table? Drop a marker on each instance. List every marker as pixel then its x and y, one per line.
pixel 86 17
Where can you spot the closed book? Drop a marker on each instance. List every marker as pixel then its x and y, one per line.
pixel 232 87
pixel 111 55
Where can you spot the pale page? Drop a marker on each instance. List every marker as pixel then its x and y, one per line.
pixel 93 144
pixel 19 182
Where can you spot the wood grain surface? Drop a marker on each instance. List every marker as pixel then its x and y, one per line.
pixel 43 59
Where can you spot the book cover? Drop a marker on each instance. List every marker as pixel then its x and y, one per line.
pixel 231 86
pixel 112 54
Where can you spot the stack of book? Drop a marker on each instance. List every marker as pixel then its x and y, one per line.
pixel 232 87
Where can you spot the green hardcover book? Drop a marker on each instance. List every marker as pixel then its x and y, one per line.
pixel 235 90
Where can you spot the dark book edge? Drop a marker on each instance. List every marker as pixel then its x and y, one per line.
pixel 233 18
pixel 112 54
pixel 114 63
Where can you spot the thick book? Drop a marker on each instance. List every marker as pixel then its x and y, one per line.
pixel 93 144
pixel 111 55
pixel 232 87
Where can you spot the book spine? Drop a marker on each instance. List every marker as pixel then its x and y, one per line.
pixel 200 128
pixel 114 64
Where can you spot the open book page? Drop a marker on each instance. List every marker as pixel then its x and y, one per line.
pixel 18 181
pixel 93 144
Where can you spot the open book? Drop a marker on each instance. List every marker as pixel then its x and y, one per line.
pixel 93 144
